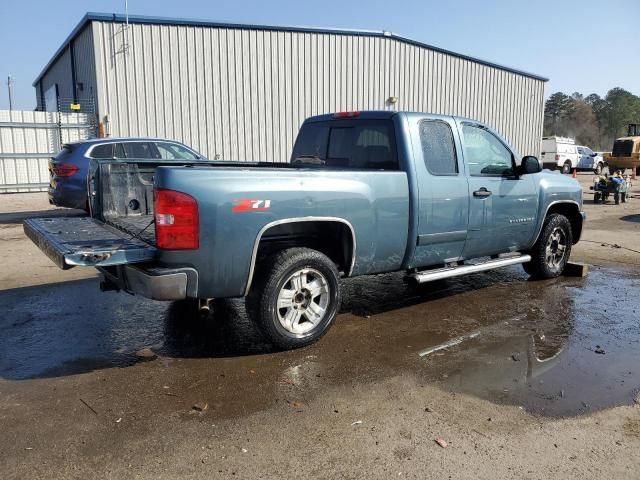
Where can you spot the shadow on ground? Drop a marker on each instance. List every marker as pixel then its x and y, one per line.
pixel 71 327
pixel 631 218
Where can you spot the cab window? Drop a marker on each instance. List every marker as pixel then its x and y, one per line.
pixel 438 149
pixel 484 154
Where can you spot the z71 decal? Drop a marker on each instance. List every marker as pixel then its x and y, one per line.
pixel 250 205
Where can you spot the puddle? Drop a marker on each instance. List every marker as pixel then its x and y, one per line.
pixel 545 360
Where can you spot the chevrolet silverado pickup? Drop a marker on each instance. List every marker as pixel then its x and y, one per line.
pixel 363 193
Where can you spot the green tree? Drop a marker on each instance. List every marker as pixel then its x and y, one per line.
pixel 556 107
pixel 592 120
pixel 623 109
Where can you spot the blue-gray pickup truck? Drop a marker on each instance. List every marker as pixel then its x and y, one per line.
pixel 363 193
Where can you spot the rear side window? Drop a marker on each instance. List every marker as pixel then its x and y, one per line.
pixel 354 144
pixel 118 151
pixel 102 151
pixel 438 148
pixel 173 151
pixel 138 150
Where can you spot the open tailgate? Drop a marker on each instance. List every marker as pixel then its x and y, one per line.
pixel 71 241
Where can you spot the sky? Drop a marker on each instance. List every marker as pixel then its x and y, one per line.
pixel 587 46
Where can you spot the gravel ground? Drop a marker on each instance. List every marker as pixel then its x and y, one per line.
pixel 524 395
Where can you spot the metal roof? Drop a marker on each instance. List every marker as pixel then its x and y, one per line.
pixel 143 19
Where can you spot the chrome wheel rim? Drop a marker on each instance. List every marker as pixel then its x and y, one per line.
pixel 556 248
pixel 303 301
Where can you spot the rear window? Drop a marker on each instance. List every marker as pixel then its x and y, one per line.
pixel 354 144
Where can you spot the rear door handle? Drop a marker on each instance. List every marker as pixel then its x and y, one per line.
pixel 482 193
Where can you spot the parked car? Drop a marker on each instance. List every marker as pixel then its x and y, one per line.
pixel 364 193
pixel 589 160
pixel 68 169
pixel 559 152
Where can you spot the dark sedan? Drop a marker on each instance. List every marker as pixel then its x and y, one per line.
pixel 68 170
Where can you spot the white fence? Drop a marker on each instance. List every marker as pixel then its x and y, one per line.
pixel 29 139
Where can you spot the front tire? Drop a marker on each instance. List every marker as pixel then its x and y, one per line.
pixel 295 298
pixel 551 252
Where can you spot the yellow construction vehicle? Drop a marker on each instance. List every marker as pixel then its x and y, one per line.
pixel 626 151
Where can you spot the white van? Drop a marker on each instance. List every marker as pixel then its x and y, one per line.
pixel 559 152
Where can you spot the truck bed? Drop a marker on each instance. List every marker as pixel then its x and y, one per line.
pixel 125 197
pixel 139 226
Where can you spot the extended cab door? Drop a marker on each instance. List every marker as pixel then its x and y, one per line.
pixel 443 199
pixel 503 206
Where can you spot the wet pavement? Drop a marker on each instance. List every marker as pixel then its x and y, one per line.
pixel 522 342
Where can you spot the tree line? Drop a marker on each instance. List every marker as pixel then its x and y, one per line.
pixel 593 121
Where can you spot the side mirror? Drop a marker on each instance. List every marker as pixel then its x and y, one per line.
pixel 594 154
pixel 530 164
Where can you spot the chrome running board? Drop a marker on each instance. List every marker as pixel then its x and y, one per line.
pixel 448 272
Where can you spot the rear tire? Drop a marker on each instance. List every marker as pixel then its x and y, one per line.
pixel 551 251
pixel 295 297
pixel 566 168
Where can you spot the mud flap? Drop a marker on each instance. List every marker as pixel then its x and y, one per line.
pixel 71 241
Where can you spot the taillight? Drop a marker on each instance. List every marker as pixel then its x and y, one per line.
pixel 557 157
pixel 64 169
pixel 346 114
pixel 176 220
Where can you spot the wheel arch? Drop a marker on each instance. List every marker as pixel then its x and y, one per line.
pixel 571 210
pixel 340 244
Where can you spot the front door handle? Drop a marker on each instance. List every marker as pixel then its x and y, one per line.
pixel 482 193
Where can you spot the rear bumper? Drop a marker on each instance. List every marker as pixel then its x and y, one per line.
pixel 70 196
pixel 154 282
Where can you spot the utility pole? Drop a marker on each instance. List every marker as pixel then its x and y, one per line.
pixel 9 87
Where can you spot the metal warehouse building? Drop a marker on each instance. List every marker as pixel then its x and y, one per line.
pixel 240 92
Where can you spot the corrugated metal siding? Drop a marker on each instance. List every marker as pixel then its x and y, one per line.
pixel 59 73
pixel 84 55
pixel 241 94
pixel 28 139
